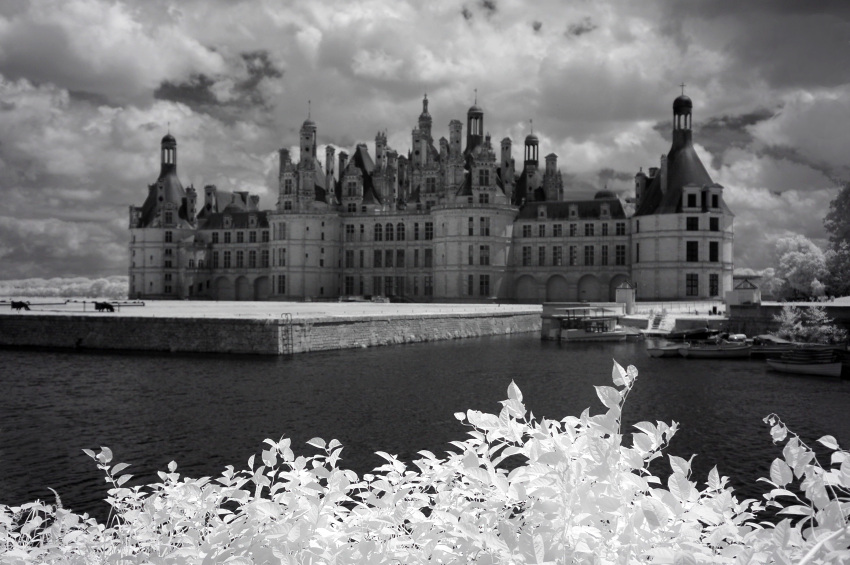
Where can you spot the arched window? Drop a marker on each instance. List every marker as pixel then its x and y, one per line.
pixel 399 231
pixel 379 230
pixel 389 232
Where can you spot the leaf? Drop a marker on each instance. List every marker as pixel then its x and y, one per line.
pixel 119 467
pixel 514 393
pixel 123 479
pixel 172 466
pixel 778 433
pixel 618 374
pixel 90 453
pixel 780 473
pixel 829 442
pixel 714 479
pixel 609 396
pixel 539 548
pixel 680 465
pixel 460 416
pixel 317 442
pixel 105 455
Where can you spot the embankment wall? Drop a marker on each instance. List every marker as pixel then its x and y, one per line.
pixel 266 337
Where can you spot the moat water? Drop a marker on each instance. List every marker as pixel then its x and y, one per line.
pixel 207 412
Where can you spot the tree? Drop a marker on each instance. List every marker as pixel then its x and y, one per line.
pixel 837 220
pixel 837 279
pixel 801 264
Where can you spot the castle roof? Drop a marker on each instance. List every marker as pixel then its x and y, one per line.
pixel 586 209
pixel 239 220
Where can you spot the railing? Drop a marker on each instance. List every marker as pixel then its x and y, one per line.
pixel 696 307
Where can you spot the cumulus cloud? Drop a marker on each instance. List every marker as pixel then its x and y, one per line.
pixel 88 88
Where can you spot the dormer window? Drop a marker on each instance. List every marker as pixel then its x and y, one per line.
pixel 605 211
pixel 541 212
pixel 573 211
pixel 483 177
pixel 228 222
pixel 252 221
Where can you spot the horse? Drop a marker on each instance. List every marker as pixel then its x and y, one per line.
pixel 104 307
pixel 20 305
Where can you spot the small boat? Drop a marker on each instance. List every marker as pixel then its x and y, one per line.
pixel 697 334
pixel 589 324
pixel 665 350
pixel 770 346
pixel 809 360
pixel 718 350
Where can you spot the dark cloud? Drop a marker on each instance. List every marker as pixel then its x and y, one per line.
pixel 260 66
pixel 719 134
pixel 196 92
pixel 92 97
pixel 536 25
pixel 489 5
pixel 586 25
pixel 467 13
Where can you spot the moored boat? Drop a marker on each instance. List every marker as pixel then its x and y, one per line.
pixel 696 334
pixel 770 346
pixel 589 324
pixel 718 350
pixel 809 360
pixel 664 349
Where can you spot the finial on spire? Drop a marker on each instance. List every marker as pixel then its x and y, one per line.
pixel 168 128
pixel 476 97
pixel 683 88
pixel 309 109
pixel 531 123
pixel 425 103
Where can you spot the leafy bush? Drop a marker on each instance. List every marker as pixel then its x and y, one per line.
pixel 578 491
pixel 809 324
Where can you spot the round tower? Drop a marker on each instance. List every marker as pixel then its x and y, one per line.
pixel 474 127
pixel 168 154
pixel 425 120
pixel 531 150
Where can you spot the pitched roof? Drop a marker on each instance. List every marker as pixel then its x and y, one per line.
pixel 239 220
pixel 171 192
pixel 586 209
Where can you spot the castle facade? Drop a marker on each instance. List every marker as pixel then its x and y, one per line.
pixel 450 221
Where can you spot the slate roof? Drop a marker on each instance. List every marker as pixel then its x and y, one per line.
pixel 215 221
pixel 587 209
pixel 173 193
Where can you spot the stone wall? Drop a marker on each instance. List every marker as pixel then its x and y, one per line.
pixel 270 337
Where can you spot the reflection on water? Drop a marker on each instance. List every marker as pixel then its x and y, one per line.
pixel 207 412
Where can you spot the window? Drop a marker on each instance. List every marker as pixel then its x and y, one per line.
pixel 541 256
pixel 483 177
pixel 349 261
pixel 470 284
pixel 240 259
pixel 526 231
pixel 168 289
pixel 691 284
pixel 620 255
pixel 713 285
pixel 588 230
pixel 415 258
pixel 692 223
pixel 168 237
pixel 399 232
pixel 226 262
pixel 429 258
pixel 349 285
pixel 603 260
pixel 428 285
pixel 605 228
pixel 287 206
pixel 240 237
pixel 573 255
pixel 588 255
pixel 714 224
pixel 379 232
pixel 264 258
pixel 484 255
pixel 415 286
pixel 483 198
pixel 621 228
pixel 399 258
pixel 351 189
pixel 388 258
pixel 692 200
pixel 573 230
pixel 557 256
pixel 469 260
pixel 429 230
pixel 541 230
pixel 215 260
pixel 281 255
pixel 287 186
pixel 168 276
pixel 191 263
pixel 526 255
pixel 430 185
pixel 360 286
pixel 484 285
pixel 168 263
pixel 692 251
pixel 637 252
pixel 416 231
pixel 485 226
pixel 227 237
pixel 265 236
pixel 281 284
pixel 349 232
pixel 389 232
pixel 715 201
pixel 376 285
pixel 362 261
pixel 281 230
pixel 713 251
pixel 470 226
pixel 252 237
pixel 557 230
pixel 377 258
pixel 252 259
pixel 169 252
pixel 215 237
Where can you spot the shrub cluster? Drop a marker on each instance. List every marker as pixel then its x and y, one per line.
pixel 516 490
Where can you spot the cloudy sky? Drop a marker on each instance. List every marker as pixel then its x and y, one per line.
pixel 88 88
